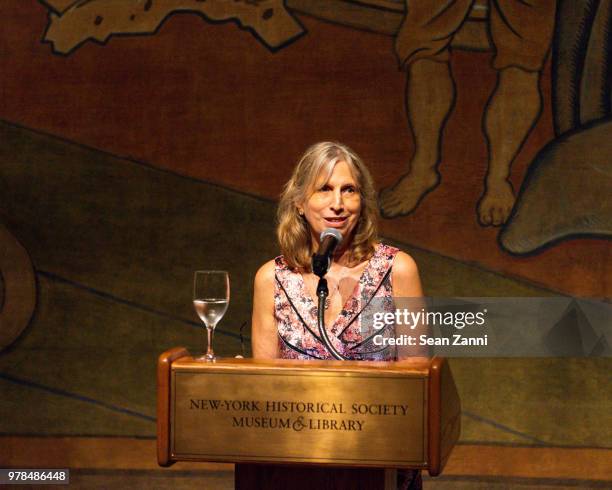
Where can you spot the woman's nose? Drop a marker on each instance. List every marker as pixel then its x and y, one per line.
pixel 337 202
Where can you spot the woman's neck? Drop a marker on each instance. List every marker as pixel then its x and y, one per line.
pixel 344 257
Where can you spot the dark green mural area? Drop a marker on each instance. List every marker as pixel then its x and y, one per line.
pixel 128 230
pixel 114 244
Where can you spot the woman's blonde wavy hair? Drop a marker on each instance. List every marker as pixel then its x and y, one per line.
pixel 293 232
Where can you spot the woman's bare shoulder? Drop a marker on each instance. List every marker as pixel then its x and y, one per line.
pixel 405 278
pixel 404 265
pixel 265 274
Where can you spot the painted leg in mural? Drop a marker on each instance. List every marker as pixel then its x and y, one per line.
pixel 510 115
pixel 430 95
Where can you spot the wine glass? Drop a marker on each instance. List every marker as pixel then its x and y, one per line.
pixel 211 295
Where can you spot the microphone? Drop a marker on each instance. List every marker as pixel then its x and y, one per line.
pixel 330 239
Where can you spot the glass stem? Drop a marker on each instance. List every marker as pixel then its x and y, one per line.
pixel 209 348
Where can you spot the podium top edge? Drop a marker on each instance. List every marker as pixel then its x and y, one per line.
pixel 417 366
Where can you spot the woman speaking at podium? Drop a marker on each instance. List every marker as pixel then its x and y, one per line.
pixel 331 188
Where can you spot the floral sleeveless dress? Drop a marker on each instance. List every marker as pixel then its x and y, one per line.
pixel 353 332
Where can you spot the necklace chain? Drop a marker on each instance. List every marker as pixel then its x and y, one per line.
pixel 336 289
pixel 332 294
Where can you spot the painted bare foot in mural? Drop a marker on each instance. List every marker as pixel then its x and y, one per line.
pixel 430 94
pixel 496 203
pixel 406 194
pixel 511 113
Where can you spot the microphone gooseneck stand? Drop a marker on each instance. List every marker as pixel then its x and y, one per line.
pixel 321 262
pixel 322 293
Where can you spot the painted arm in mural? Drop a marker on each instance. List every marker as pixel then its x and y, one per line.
pixel 264 335
pixel 73 22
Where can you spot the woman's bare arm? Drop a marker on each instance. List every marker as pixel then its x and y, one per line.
pixel 408 292
pixel 264 336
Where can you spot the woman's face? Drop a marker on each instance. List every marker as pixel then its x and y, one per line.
pixel 335 203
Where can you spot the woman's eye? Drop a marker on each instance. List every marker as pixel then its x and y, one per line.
pixel 325 188
pixel 350 189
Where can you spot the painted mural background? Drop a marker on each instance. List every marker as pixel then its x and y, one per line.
pixel 142 140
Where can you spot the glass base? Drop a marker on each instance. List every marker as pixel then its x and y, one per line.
pixel 206 358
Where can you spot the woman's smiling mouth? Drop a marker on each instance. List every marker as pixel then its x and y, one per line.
pixel 336 221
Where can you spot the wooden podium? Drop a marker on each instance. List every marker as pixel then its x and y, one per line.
pixel 304 424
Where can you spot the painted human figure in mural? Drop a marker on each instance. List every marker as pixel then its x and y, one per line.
pixel 521 34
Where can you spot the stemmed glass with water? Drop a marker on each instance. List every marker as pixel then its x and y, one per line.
pixel 211 295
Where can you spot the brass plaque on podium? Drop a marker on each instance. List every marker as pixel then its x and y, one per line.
pixel 345 416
